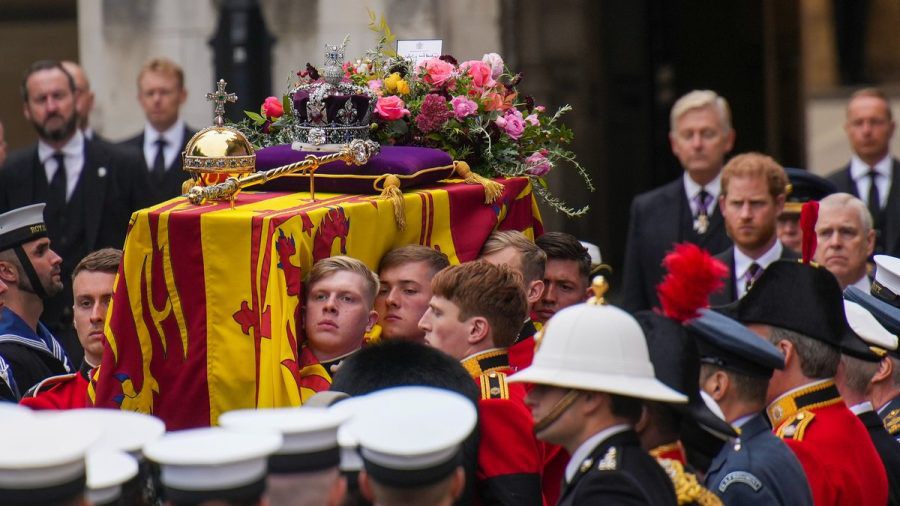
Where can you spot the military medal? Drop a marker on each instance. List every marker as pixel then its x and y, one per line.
pixel 701 223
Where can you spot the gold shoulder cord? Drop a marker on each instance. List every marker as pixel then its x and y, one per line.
pixel 687 488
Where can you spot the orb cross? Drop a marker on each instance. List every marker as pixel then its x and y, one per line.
pixel 220 97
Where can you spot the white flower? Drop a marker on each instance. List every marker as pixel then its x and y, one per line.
pixel 494 61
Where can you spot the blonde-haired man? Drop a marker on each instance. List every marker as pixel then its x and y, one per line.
pixel 754 187
pixel 161 93
pixel 339 310
pixel 684 209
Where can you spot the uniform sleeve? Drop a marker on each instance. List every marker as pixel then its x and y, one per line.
pixel 743 489
pixel 508 456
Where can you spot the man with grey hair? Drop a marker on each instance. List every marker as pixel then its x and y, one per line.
pixel 684 209
pixel 845 238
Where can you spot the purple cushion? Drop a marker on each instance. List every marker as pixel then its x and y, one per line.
pixel 414 166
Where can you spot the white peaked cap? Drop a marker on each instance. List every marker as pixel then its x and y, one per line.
pixel 868 328
pixel 42 459
pixel 200 464
pixel 309 435
pixel 415 438
pixel 107 471
pixel 125 431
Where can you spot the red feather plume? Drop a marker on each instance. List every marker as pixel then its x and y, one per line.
pixel 693 274
pixel 809 214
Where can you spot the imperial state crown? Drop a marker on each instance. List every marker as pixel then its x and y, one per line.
pixel 329 112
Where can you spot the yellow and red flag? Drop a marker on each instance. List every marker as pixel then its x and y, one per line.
pixel 205 314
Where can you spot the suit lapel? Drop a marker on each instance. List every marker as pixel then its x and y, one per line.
pixel 94 181
pixel 892 213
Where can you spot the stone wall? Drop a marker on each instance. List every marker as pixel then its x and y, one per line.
pixel 117 36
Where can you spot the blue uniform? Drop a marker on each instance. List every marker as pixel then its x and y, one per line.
pixel 758 469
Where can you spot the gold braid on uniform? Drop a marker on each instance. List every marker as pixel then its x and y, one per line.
pixel 687 489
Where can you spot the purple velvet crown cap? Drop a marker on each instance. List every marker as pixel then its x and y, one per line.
pixel 414 166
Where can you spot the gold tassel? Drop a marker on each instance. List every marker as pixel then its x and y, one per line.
pixel 391 191
pixel 492 189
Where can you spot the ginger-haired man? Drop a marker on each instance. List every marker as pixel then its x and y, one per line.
pixel 475 313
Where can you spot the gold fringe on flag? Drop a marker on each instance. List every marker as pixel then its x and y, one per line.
pixel 391 191
pixel 492 189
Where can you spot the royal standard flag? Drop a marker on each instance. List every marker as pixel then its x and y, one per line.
pixel 205 314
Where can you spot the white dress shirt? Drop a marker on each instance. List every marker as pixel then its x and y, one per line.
pixel 174 137
pixel 742 264
pixel 713 188
pixel 859 171
pixel 73 156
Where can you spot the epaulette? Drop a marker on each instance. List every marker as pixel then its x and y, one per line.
pixel 892 422
pixel 47 384
pixel 493 385
pixel 795 426
pixel 687 488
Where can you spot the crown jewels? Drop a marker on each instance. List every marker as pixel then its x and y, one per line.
pixel 329 111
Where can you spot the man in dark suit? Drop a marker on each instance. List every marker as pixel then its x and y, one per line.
pixel 90 189
pixel 161 93
pixel 853 378
pixel 685 209
pixel 753 192
pixel 590 375
pixel 869 128
pixel 757 467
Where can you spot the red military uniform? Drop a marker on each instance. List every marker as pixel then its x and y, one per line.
pixel 840 461
pixel 521 353
pixel 509 455
pixel 66 391
pixel 555 457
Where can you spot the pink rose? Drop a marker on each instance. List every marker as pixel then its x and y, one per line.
pixel 463 107
pixel 512 123
pixel 537 164
pixel 479 72
pixel 494 61
pixel 391 108
pixel 437 71
pixel 532 120
pixel 272 108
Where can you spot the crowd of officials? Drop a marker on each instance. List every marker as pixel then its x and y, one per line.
pixel 755 358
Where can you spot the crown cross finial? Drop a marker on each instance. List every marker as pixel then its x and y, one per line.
pixel 220 97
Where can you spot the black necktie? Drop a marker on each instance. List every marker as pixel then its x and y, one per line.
pixel 874 197
pixel 58 183
pixel 159 163
pixel 703 203
pixel 753 273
